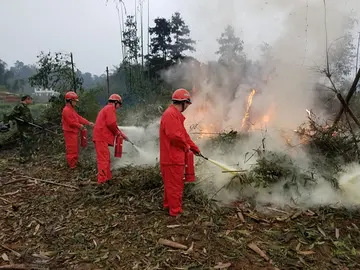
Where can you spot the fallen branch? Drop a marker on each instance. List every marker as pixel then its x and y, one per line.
pixel 4 200
pixel 172 244
pixel 17 254
pixel 349 95
pixel 15 267
pixel 354 136
pixel 50 182
pixel 10 193
pixel 13 181
pixel 256 249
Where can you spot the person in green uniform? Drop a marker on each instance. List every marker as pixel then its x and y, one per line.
pixel 21 114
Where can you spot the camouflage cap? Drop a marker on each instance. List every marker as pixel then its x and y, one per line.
pixel 23 97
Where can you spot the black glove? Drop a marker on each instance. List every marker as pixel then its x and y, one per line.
pixel 4 127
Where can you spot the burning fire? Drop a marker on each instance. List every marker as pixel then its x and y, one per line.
pixel 248 105
pixel 250 121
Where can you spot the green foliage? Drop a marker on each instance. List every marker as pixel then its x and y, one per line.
pixel 131 41
pixel 170 39
pixel 161 38
pixel 231 46
pixel 55 72
pixel 181 37
pixel 88 106
pixel 5 74
pixel 271 167
pixel 224 141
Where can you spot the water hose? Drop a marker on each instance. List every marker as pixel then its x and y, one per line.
pixel 136 148
pixel 225 169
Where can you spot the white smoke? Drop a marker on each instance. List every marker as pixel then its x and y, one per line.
pixel 145 151
pixel 297 54
pixel 298 46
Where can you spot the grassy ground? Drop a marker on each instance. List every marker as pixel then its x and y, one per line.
pixel 48 226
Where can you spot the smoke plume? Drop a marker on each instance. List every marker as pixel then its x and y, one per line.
pixel 284 78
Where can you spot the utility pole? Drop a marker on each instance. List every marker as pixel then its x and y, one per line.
pixel 142 34
pixel 148 36
pixel 73 72
pixel 107 81
pixel 357 55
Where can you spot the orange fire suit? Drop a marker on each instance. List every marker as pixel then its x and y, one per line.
pixel 174 143
pixel 71 124
pixel 105 131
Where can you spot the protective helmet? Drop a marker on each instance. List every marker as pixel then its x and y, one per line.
pixel 181 95
pixel 115 97
pixel 71 96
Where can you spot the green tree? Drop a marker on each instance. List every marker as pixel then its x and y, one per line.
pixel 181 37
pixel 160 47
pixel 2 72
pixel 5 74
pixel 230 46
pixel 55 72
pixel 131 41
pixel 161 38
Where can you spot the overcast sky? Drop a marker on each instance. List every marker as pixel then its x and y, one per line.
pixel 90 28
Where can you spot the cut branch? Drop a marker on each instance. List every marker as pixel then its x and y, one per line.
pixel 49 182
pixel 341 99
pixel 349 95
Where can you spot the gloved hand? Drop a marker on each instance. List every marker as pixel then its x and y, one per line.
pixel 119 133
pixel 187 148
pixel 195 150
pixel 124 137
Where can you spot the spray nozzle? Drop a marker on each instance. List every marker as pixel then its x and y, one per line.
pixel 131 142
pixel 201 155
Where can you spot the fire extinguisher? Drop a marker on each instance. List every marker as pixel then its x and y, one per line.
pixel 83 138
pixel 118 146
pixel 189 167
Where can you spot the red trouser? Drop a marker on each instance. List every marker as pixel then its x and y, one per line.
pixel 103 161
pixel 173 178
pixel 72 148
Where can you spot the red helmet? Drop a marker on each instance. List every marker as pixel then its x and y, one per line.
pixel 115 97
pixel 181 95
pixel 71 96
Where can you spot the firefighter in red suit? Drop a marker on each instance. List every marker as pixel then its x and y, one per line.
pixel 72 123
pixel 175 142
pixel 105 132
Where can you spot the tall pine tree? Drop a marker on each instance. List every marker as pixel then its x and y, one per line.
pixel 230 46
pixel 181 37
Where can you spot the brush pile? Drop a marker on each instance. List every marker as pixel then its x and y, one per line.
pixel 333 142
pixel 328 149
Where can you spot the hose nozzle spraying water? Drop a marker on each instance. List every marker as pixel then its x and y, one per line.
pixel 222 166
pixel 131 142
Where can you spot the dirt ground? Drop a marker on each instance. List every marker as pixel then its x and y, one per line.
pixel 81 226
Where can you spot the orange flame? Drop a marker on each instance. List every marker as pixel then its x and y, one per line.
pixel 248 105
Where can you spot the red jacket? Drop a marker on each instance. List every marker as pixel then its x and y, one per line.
pixel 174 139
pixel 71 120
pixel 106 128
